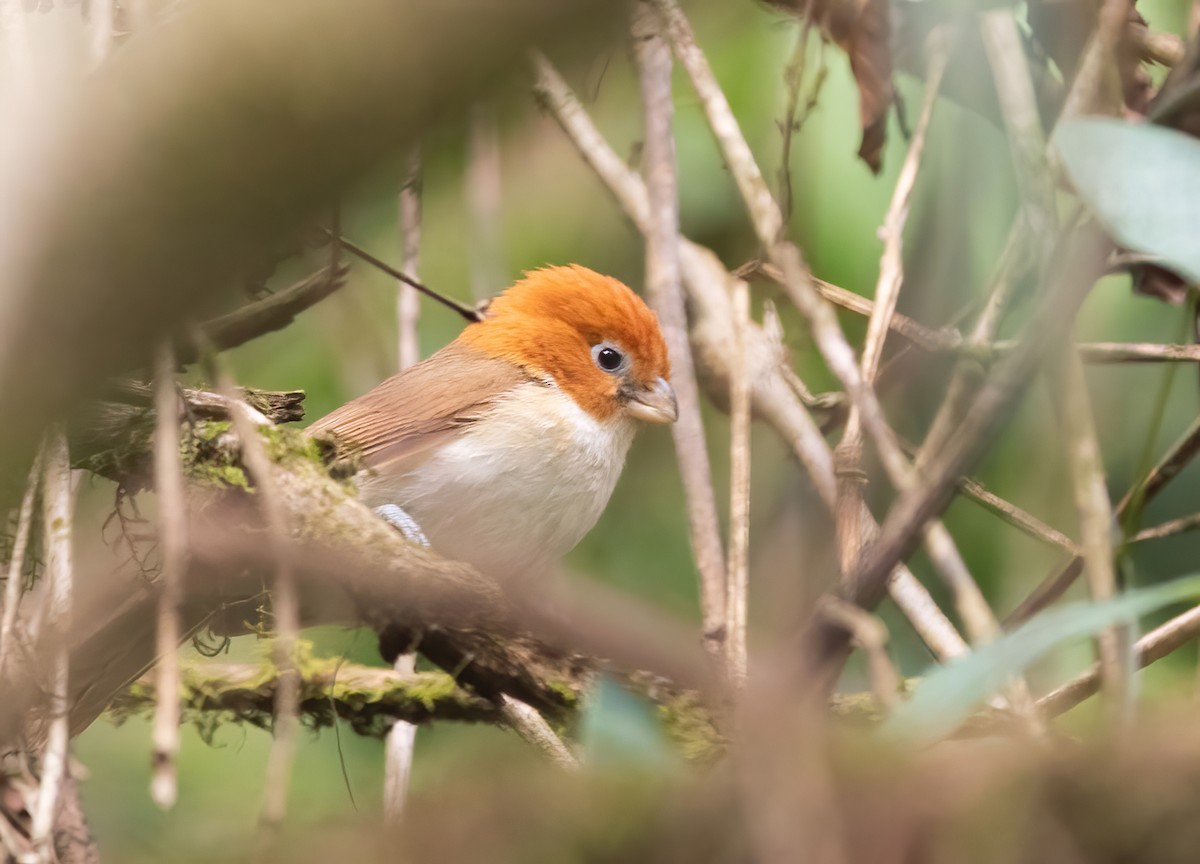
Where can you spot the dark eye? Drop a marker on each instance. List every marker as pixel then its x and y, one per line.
pixel 608 358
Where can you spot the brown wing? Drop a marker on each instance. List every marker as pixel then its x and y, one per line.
pixel 423 406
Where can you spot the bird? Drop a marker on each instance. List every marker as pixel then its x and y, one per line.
pixel 502 449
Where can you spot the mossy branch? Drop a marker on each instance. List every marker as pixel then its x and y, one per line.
pixel 370 699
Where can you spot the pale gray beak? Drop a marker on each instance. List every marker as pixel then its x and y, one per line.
pixel 655 404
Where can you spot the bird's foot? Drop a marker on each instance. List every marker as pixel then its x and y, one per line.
pixel 402 522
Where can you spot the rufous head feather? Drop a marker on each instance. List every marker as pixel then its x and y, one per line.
pixel 590 333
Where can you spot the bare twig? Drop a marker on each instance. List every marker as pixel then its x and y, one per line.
pixel 981 624
pixel 1078 266
pixel 100 25
pixel 1019 109
pixel 483 201
pixel 1165 49
pixel 891 265
pixel 872 636
pixel 285 607
pixel 739 489
pixel 1167 529
pixel 1155 645
pixel 469 313
pixel 370 698
pixel 172 532
pixel 56 520
pixel 1097 87
pixel 1095 521
pixel 666 296
pixel 408 305
pixel 401 741
pixel 398 753
pixel 1015 516
pixel 273 312
pixel 533 728
pixel 1129 352
pixel 15 586
pixel 1177 457
pixel 17 53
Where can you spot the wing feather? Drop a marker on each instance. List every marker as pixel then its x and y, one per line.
pixel 405 417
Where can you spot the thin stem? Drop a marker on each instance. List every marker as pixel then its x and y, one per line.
pixel 468 312
pixel 57 502
pixel 172 531
pixel 665 292
pixel 739 487
pixel 533 728
pixel 15 586
pixel 1178 457
pixel 1155 645
pixel 400 747
pixel 408 305
pixel 285 607
pixel 483 192
pixel 1096 526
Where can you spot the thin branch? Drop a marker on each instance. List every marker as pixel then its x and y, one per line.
pixel 891 265
pixel 399 748
pixel 981 623
pixel 15 586
pixel 533 728
pixel 1168 529
pixel 666 296
pixel 1007 57
pixel 1177 457
pixel 1155 645
pixel 273 312
pixel 408 306
pixel 1078 265
pixel 56 521
pixel 286 611
pixel 1097 87
pixel 17 51
pixel 738 570
pixel 1129 352
pixel 100 27
pixel 1020 519
pixel 172 532
pixel 483 192
pixel 872 636
pixel 1095 521
pixel 401 742
pixel 469 313
pixel 370 698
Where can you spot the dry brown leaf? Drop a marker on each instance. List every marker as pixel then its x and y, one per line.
pixel 863 29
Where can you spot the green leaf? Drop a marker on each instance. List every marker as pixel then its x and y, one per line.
pixel 1142 182
pixel 621 730
pixel 948 694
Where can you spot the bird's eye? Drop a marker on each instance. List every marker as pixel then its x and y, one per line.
pixel 608 358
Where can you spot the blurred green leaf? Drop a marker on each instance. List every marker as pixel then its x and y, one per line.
pixel 621 730
pixel 949 693
pixel 1142 182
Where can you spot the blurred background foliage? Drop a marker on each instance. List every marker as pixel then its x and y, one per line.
pixel 555 211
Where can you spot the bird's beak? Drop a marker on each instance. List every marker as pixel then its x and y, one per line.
pixel 654 404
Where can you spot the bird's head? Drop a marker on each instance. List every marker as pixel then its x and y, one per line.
pixel 591 334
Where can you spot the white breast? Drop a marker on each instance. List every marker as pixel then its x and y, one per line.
pixel 516 491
